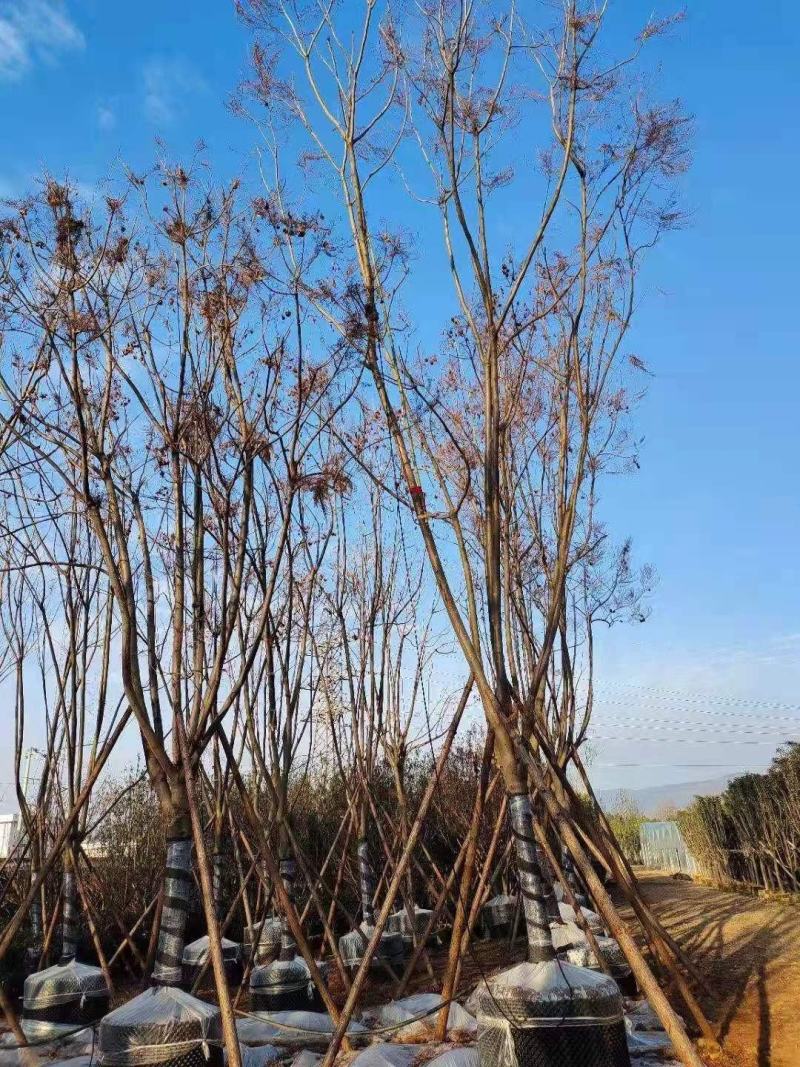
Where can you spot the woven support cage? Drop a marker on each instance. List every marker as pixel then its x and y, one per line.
pixel 613 956
pixel 593 920
pixel 551 1014
pixel 266 936
pixel 497 915
pixel 411 929
pixel 73 993
pixel 389 949
pixel 284 985
pixel 163 1025
pixel 197 954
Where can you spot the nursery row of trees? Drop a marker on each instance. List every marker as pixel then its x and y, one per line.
pixel 289 508
pixel 749 833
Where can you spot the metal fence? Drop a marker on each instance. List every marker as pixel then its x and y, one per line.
pixel 664 849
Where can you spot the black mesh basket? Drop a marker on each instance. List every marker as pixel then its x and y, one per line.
pixel 551 1014
pixel 624 978
pixel 594 1044
pixel 497 917
pixel 286 1000
pixel 162 1025
pixel 79 1012
pixel 196 1057
pixel 191 971
pixel 389 950
pixel 284 985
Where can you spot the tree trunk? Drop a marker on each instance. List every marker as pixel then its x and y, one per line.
pixel 69 910
pixel 571 877
pixel 465 885
pixel 288 872
pixel 366 872
pixel 168 969
pixel 35 947
pixel 548 881
pixel 217 883
pixel 531 887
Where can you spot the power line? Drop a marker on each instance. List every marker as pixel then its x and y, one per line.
pixel 697 697
pixel 682 740
pixel 690 727
pixel 710 721
pixel 646 706
pixel 639 763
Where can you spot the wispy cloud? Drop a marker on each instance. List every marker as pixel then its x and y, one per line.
pixel 167 82
pixel 34 31
pixel 106 117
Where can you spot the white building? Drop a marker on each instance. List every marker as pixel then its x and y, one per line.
pixel 10 829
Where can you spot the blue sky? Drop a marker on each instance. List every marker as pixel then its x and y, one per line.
pixel 86 84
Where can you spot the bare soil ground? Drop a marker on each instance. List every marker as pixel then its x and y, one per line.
pixel 749 949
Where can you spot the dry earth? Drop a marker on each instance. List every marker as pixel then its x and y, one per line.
pixel 749 949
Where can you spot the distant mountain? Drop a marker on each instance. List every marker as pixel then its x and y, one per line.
pixel 653 799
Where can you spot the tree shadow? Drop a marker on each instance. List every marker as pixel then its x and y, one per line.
pixel 764 1022
pixel 732 939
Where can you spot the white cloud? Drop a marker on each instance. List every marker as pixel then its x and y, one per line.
pixel 34 31
pixel 106 117
pixel 166 83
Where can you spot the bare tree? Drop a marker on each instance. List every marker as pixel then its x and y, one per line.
pixel 541 325
pixel 179 401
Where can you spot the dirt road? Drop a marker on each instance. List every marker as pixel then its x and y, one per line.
pixel 750 951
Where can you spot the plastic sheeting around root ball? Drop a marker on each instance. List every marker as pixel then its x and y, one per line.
pixel 583 956
pixel 269 938
pixel 550 1012
pixel 259 1056
pixel 568 914
pixel 48 1035
pixel 499 911
pixel 39 1056
pixel 386 1054
pixel 567 935
pixel 637 1061
pixel 62 984
pixel 640 1016
pixel 281 976
pixel 546 990
pixel 416 1017
pixel 410 929
pixel 649 1043
pixel 293 1029
pixel 456 1057
pixel 197 952
pixel 158 1025
pixel 353 945
pixel 306 1058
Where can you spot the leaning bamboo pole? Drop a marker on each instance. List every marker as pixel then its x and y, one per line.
pixel 446 890
pixel 273 871
pixel 580 918
pixel 616 926
pixel 400 870
pixel 465 885
pixel 234 1056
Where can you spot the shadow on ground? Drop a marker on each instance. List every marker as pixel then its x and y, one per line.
pixel 749 952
